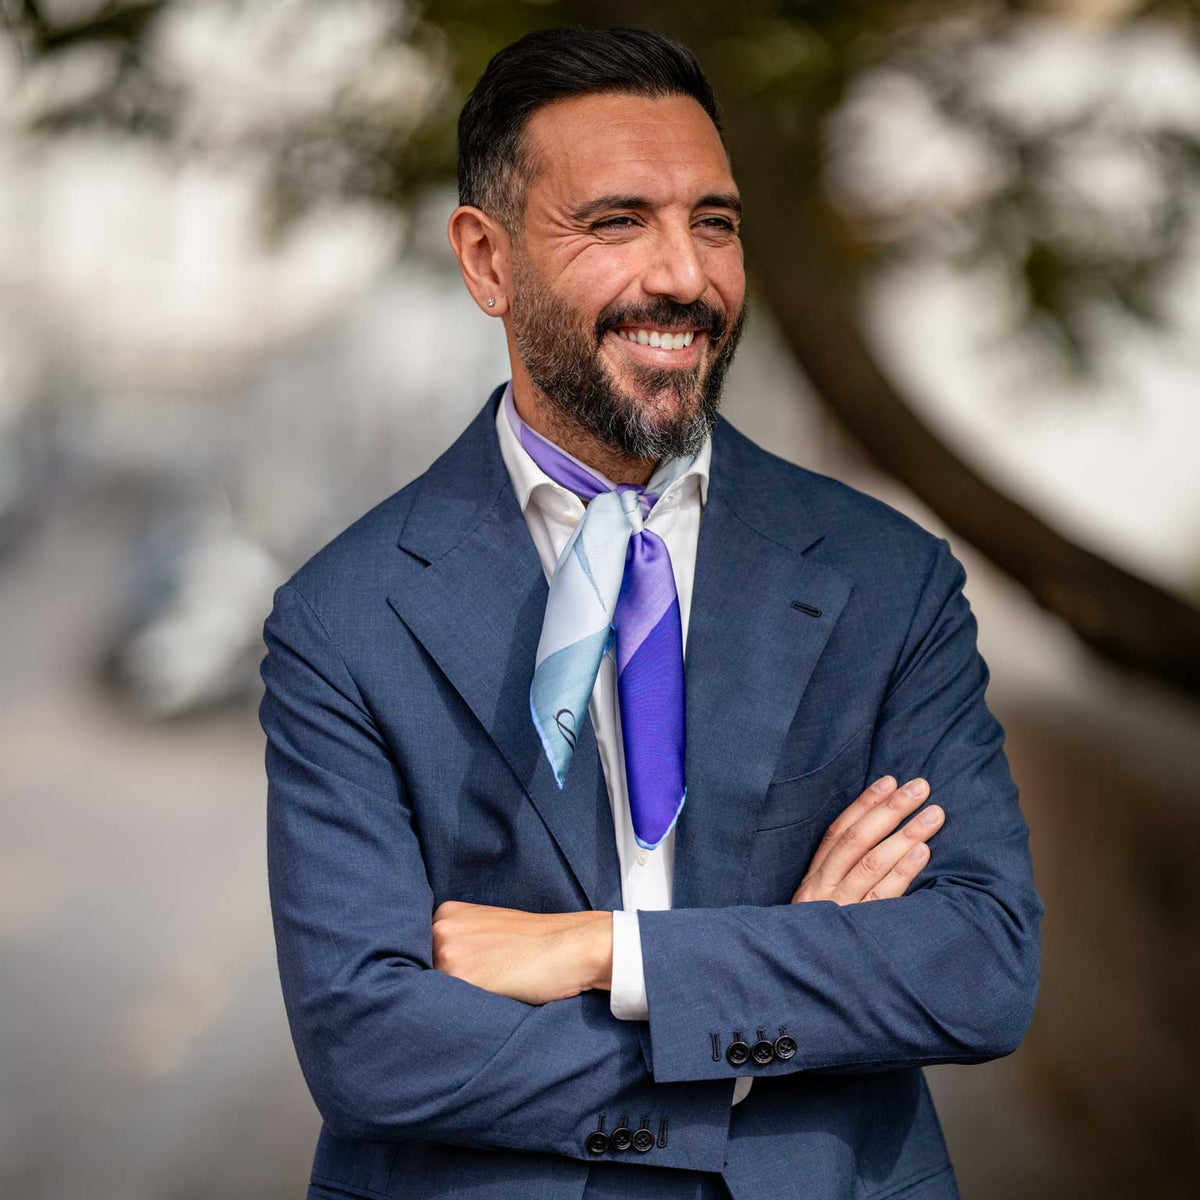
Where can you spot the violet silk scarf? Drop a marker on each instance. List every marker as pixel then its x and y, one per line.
pixel 613 587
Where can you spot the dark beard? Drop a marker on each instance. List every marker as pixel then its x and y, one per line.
pixel 564 362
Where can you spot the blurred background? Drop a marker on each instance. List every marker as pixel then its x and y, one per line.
pixel 230 322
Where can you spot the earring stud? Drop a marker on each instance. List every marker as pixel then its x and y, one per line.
pixel 491 301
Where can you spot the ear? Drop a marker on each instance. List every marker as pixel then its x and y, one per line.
pixel 481 246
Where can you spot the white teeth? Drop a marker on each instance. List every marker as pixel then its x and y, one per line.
pixel 666 341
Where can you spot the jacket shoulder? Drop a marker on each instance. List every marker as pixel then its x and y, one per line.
pixel 361 557
pixel 850 523
pixel 364 558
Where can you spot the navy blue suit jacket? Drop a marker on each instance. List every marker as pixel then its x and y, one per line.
pixel 829 643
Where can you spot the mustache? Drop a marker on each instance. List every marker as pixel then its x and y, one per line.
pixel 702 316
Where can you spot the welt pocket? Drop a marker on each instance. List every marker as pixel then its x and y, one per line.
pixel 797 799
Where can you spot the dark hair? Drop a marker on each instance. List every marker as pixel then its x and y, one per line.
pixel 495 166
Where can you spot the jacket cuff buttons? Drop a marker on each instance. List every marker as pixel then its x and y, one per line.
pixel 624 1138
pixel 739 1052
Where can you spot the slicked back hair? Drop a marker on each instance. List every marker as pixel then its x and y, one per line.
pixel 496 164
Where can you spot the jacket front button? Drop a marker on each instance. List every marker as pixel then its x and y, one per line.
pixel 597 1142
pixel 737 1053
pixel 643 1139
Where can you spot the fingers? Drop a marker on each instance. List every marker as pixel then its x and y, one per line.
pixel 893 861
pixel 867 799
pixel 896 881
pixel 875 813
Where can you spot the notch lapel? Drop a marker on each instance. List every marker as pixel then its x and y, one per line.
pixel 750 655
pixel 477 608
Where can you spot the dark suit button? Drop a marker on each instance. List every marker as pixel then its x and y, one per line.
pixel 785 1046
pixel 597 1142
pixel 622 1138
pixel 643 1139
pixel 737 1053
pixel 763 1052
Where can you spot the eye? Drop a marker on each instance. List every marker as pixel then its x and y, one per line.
pixel 721 223
pixel 611 222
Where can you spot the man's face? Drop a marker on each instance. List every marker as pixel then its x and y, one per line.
pixel 631 232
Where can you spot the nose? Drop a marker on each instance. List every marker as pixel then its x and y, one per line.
pixel 674 268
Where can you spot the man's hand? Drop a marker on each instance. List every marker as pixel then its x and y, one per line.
pixel 852 864
pixel 534 957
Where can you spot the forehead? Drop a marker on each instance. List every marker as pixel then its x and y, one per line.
pixel 665 148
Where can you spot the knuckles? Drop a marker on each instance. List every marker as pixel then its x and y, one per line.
pixel 870 863
pixel 853 834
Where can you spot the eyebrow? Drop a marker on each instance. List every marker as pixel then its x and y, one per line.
pixel 601 204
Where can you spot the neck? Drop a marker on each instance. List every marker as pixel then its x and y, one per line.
pixel 543 417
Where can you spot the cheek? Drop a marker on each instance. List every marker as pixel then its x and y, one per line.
pixel 600 276
pixel 727 273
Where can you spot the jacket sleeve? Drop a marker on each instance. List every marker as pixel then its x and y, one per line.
pixel 390 1047
pixel 948 972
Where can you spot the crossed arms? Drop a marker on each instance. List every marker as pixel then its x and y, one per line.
pixel 393 1048
pixel 542 957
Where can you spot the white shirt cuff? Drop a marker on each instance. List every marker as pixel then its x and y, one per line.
pixel 627 999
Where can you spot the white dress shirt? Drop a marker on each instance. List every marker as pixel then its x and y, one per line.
pixel 552 511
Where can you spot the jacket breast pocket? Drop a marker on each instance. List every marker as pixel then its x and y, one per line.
pixel 793 818
pixel 800 799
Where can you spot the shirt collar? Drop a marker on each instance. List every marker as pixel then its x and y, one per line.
pixel 527 476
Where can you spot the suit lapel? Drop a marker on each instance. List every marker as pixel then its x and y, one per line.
pixel 750 654
pixel 477 608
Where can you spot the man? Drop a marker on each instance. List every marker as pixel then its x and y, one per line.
pixel 556 915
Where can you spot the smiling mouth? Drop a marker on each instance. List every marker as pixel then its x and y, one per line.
pixel 682 346
pixel 660 338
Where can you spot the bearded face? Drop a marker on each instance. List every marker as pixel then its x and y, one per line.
pixel 607 377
